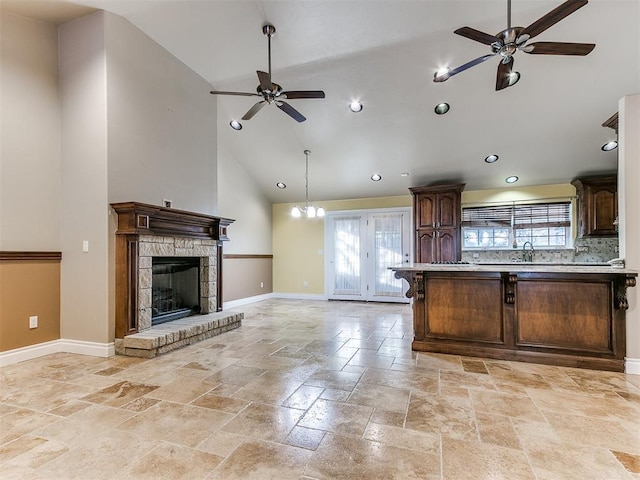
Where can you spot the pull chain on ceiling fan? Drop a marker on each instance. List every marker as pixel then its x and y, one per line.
pixel 512 39
pixel 272 92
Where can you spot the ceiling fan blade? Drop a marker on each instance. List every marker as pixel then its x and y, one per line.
pixel 462 68
pixel 253 110
pixel 477 35
pixel 559 48
pixel 242 94
pixel 553 17
pixel 289 110
pixel 265 80
pixel 303 94
pixel 502 78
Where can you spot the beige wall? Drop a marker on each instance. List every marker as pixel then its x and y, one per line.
pixel 298 243
pixel 29 288
pixel 516 194
pixel 162 124
pixel 246 276
pixel 240 198
pixel 30 132
pixel 628 201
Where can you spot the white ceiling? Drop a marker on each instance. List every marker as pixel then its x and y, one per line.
pixel 546 129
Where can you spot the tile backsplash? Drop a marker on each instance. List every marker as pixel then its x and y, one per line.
pixel 586 250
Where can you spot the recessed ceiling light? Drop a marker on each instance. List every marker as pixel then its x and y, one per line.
pixel 607 147
pixel 376 177
pixel 442 108
pixel 404 174
pixel 281 185
pixel 236 125
pixel 356 106
pixel 511 179
pixel 513 78
pixel 491 158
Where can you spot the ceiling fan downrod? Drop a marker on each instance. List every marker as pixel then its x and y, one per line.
pixel 269 30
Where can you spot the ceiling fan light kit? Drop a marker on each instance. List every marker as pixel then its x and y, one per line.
pixel 507 42
pixel 271 92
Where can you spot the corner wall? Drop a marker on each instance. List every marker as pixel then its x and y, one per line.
pixel 628 201
pixel 247 263
pixel 84 209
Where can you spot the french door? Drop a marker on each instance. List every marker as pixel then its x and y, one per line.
pixel 359 248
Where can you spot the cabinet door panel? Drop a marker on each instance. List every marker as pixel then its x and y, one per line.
pixel 448 214
pixel 426 211
pixel 603 211
pixel 426 246
pixel 447 245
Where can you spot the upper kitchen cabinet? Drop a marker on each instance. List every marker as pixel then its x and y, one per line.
pixel 436 217
pixel 597 205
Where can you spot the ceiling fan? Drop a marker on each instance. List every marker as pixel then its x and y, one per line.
pixel 272 92
pixel 507 42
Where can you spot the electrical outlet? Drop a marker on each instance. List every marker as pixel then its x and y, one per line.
pixel 305 284
pixel 167 203
pixel 85 246
pixel 33 322
pixel 261 284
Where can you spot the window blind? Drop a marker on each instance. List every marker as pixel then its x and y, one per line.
pixel 520 216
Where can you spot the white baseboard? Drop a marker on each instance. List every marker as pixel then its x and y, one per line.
pixel 246 301
pixel 57 346
pixel 301 296
pixel 27 353
pixel 93 349
pixel 632 366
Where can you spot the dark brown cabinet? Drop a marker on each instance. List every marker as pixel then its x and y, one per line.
pixel 436 216
pixel 597 205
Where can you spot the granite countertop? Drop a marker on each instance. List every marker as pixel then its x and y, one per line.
pixel 515 267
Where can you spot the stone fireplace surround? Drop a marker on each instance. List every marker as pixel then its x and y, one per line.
pixel 147 231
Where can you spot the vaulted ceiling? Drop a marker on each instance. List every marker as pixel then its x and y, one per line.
pixel 546 129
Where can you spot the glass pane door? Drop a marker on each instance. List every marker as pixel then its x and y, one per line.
pixel 387 251
pixel 347 262
pixel 360 247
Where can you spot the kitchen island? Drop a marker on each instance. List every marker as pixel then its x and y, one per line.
pixel 569 315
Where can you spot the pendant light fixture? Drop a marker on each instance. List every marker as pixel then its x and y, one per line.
pixel 309 210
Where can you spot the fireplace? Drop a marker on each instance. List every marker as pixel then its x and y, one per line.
pixel 175 288
pixel 166 240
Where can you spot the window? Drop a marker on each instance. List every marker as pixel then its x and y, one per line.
pixel 507 226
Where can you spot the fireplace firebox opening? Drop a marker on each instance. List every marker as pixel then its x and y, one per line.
pixel 175 288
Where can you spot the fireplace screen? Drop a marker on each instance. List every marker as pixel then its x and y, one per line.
pixel 175 288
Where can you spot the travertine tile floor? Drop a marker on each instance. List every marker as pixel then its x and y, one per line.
pixel 315 390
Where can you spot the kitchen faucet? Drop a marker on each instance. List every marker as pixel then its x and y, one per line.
pixel 527 256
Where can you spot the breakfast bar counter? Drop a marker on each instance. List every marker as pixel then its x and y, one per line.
pixel 557 314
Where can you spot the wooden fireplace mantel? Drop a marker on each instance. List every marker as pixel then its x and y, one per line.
pixel 140 221
pixel 144 219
